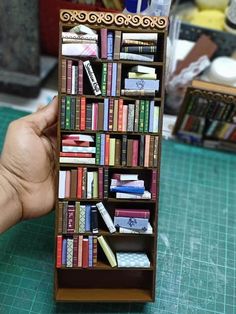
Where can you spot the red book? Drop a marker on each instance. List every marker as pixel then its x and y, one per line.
pixel 120 115
pixel 109 78
pixel 69 142
pixel 82 155
pixel 79 183
pixel 69 76
pixel 70 219
pixel 75 251
pixel 67 191
pixel 154 184
pixel 59 251
pixel 233 136
pixel 135 153
pixel 100 182
pixel 111 111
pixel 63 76
pixel 80 77
pixel 82 113
pixel 95 250
pixel 147 151
pixel 107 149
pixel 137 213
pixel 103 43
pixel 85 253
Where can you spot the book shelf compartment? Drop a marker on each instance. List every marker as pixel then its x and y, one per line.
pixel 103 282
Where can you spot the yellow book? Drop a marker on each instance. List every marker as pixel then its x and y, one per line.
pixel 115 115
pixel 112 152
pixel 147 76
pixel 95 184
pixel 107 250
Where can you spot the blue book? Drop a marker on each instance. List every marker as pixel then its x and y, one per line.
pixel 64 253
pixel 131 223
pixel 90 239
pixel 114 79
pixel 128 189
pixel 106 111
pixel 87 218
pixel 141 84
pixel 109 45
pixel 132 259
pixel 102 157
pixel 151 115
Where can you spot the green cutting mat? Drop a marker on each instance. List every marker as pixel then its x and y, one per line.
pixel 196 249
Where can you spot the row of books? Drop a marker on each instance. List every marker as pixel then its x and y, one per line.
pixel 109 115
pixel 83 183
pixel 110 151
pixel 74 218
pixel 212 109
pixel 82 252
pixel 221 130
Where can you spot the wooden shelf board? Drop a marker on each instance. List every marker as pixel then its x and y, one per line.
pixel 108 234
pixel 109 132
pixel 110 199
pixel 105 295
pixel 118 97
pixel 67 165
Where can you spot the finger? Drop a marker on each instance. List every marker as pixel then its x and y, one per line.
pixel 40 107
pixel 45 117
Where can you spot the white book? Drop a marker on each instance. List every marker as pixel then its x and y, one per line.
pixel 140 36
pixel 126 177
pixel 82 37
pixel 90 184
pixel 77 160
pixel 62 184
pixel 134 56
pixel 148 231
pixel 73 80
pixel 143 69
pixel 92 78
pixel 82 29
pixel 115 182
pixel 78 149
pixel 69 253
pixel 146 195
pixel 106 217
pixel 156 119
pixel 79 137
pixel 79 49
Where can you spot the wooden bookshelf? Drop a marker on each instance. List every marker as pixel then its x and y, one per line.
pixel 103 283
pixel 207 116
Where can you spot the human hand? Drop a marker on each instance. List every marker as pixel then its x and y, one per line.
pixel 28 162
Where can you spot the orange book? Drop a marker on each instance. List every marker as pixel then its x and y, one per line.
pixel 79 182
pixel 146 152
pixel 59 251
pixel 124 118
pixel 107 149
pixel 82 113
pixel 80 250
pixel 85 253
pixel 67 191
pixel 120 115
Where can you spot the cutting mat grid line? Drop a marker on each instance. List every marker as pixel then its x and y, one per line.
pixel 196 242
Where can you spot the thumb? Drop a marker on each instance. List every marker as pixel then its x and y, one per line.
pixel 45 117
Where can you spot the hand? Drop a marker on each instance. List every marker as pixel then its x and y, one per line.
pixel 28 161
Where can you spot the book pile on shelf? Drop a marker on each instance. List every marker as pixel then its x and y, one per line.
pixel 109 115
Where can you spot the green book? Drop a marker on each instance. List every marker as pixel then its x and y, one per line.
pixel 108 252
pixel 77 210
pixel 104 79
pixel 82 219
pixel 95 184
pixel 98 148
pixel 146 116
pixel 68 113
pixel 141 115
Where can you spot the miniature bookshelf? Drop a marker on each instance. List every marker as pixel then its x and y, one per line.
pixel 103 282
pixel 208 116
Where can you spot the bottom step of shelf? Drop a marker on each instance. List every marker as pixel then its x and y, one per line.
pixel 104 295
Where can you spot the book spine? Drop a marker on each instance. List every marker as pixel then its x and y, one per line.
pixel 156 119
pixel 115 115
pixel 87 218
pixel 82 219
pixel 103 143
pixel 117 45
pixel 131 223
pixel 140 213
pixel 136 116
pixel 135 153
pixel 75 160
pixel 120 115
pixel 70 219
pixel 100 182
pixel 146 116
pixel 124 150
pixel 73 183
pixel 92 78
pixel 151 151
pixel 80 77
pixel 59 251
pixel 141 151
pixel 112 152
pixel 63 112
pixel 79 183
pixel 77 210
pixel 75 251
pixel 155 155
pixel 85 253
pixel 98 148
pixel 107 149
pixel 114 79
pixel 106 114
pixel 67 190
pixel 141 115
pixel 73 80
pixel 147 150
pixel 63 76
pixel 77 113
pixel 106 217
pixel 68 114
pixel 62 184
pixel 90 259
pixel 136 57
pixel 89 184
pixel 109 78
pixel 130 127
pixel 89 117
pixel 111 111
pixel 95 184
pixel 151 115
pixel 95 250
pixel 106 180
pixel 109 45
pixel 69 253
pixel 107 250
pixel 117 152
pixel 64 217
pixel 104 79
pixel 69 77
pixel 82 113
pixel 94 219
pixel 60 210
pixel 154 184
pixel 103 43
pixel 64 254
pixel 100 116
pixel 125 118
pixel 118 82
pixel 71 154
pixel 80 250
pixel 141 84
pixel 138 92
pixel 129 152
pixel 140 49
